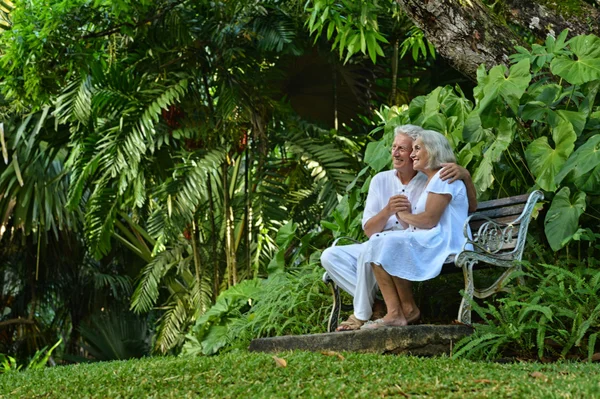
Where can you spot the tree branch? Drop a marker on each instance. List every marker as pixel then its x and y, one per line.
pixel 16 321
pixel 543 20
pixel 468 33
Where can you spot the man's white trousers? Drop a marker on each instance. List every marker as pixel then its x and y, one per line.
pixel 345 266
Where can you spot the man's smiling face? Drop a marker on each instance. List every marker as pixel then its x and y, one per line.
pixel 401 149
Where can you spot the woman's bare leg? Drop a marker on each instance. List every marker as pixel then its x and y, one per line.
pixel 395 315
pixel 405 294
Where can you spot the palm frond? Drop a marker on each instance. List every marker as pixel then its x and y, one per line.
pixel 172 325
pixel 324 160
pixel 100 217
pixel 275 30
pixel 180 196
pixel 147 287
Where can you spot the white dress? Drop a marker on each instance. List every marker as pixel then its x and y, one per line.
pixel 419 254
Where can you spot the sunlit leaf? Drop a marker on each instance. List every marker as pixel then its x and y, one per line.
pixel 510 89
pixel 586 66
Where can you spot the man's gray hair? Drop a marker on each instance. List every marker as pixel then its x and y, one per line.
pixel 437 147
pixel 411 131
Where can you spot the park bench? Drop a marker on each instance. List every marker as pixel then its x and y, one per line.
pixel 499 230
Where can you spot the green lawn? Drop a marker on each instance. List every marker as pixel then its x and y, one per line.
pixel 243 374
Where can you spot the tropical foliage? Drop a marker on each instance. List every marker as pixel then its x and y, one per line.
pixel 557 315
pixel 285 304
pixel 531 126
pixel 138 128
pixel 163 152
pixel 39 360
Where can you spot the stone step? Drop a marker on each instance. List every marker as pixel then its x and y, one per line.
pixel 420 340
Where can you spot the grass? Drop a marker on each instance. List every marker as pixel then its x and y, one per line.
pixel 307 375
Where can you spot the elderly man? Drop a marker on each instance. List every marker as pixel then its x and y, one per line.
pixel 390 192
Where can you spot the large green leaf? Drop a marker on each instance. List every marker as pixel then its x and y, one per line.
pixel 590 182
pixel 544 100
pixel 575 118
pixel 435 122
pixel 472 129
pixel 538 110
pixel 544 161
pixel 378 155
pixel 455 105
pixel 562 219
pixel 510 88
pixel 285 236
pixel 586 67
pixel 415 110
pixel 586 158
pixel 483 177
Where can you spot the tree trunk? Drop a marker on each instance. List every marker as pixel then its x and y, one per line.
pixel 468 33
pixel 229 231
pixel 214 235
pixel 577 16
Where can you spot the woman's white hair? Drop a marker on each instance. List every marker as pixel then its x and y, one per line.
pixel 411 131
pixel 438 148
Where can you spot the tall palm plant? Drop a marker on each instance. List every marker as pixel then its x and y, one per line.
pixel 178 130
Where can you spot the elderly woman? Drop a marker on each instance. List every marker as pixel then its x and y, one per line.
pixel 433 230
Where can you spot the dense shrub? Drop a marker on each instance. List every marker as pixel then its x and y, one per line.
pixel 296 302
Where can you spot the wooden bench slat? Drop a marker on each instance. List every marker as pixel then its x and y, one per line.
pixel 517 199
pixel 506 211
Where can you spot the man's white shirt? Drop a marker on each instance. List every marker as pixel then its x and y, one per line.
pixel 385 185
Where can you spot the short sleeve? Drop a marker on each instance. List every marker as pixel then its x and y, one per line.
pixel 372 207
pixel 438 186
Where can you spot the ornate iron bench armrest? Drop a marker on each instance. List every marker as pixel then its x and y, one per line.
pixel 492 236
pixel 492 245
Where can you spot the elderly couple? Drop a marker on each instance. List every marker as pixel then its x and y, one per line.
pixel 414 218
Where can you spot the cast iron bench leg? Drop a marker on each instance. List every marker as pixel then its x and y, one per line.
pixel 335 310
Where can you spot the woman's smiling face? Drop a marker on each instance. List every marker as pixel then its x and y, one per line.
pixel 419 155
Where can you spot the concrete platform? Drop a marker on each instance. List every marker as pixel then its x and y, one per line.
pixel 421 340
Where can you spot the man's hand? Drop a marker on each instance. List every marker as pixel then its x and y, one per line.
pixel 398 203
pixel 454 172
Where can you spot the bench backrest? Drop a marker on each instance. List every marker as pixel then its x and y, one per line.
pixel 500 226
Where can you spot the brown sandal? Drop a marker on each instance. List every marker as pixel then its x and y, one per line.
pixel 351 324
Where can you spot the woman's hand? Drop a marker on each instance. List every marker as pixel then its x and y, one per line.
pixel 398 203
